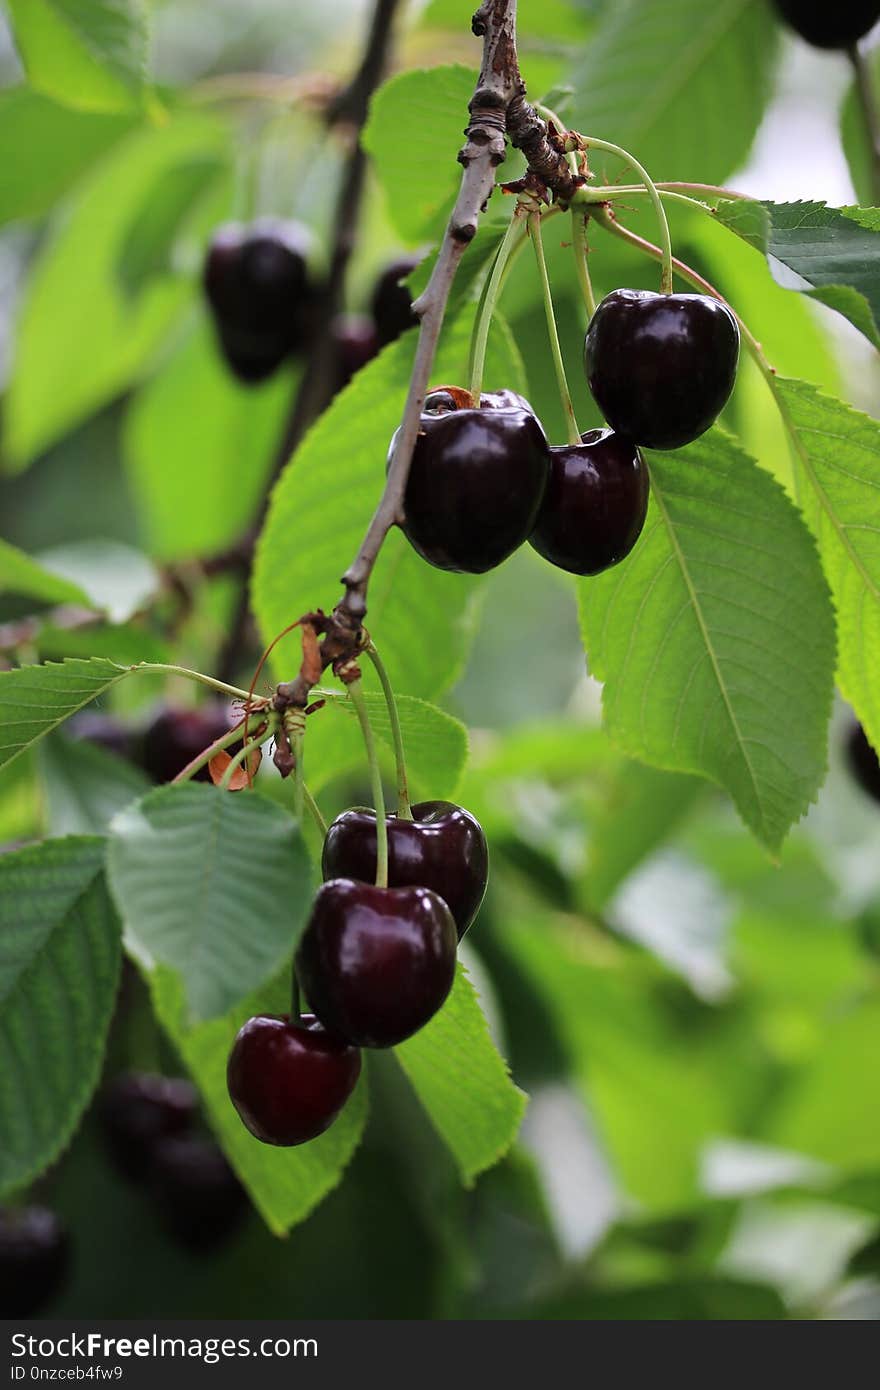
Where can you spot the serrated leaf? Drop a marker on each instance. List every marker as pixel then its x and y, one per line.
pixel 85 786
pixel 22 574
pixel 463 1082
pixel 36 699
pixel 420 616
pixel 215 885
pixel 85 53
pixel 715 638
pixel 836 456
pixel 681 83
pixel 59 963
pixel 284 1184
pixel 194 432
pixel 831 254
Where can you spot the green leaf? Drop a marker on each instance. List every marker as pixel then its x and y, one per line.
pixel 36 699
pixel 836 453
pixel 284 1184
pixel 831 254
pixel 855 141
pixel 116 579
pixel 85 786
pixel 435 744
pixel 81 339
pixel 59 963
pixel 215 884
pixel 716 637
pixel 463 1082
pixel 85 53
pixel 681 83
pixel 61 144
pixel 148 247
pixel 420 617
pixel 21 574
pixel 199 447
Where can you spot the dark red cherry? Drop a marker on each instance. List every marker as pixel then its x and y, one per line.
pixel 476 481
pixel 830 25
pixel 863 761
pixel 442 848
pixel 289 1081
pixel 376 963
pixel 137 1110
pixel 356 343
pixel 34 1256
pixel 106 731
pixel 200 1200
pixel 391 304
pixel 595 504
pixel 661 366
pixel 256 281
pixel 176 736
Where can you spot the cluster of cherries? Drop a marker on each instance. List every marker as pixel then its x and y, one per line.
pixel 264 301
pixel 483 478
pixel 375 962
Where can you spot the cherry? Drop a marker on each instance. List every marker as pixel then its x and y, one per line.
pixel 391 304
pixel 863 761
pixel 105 731
pixel 376 963
pixel 200 1199
pixel 34 1255
pixel 256 282
pixel 595 504
pixel 661 366
pixel 176 736
pixel 837 25
pixel 476 481
pixel 289 1081
pixel 356 343
pixel 138 1110
pixel 442 848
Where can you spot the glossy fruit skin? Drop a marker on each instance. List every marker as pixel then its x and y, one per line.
pixel 661 366
pixel 595 504
pixel 391 304
pixel 356 342
pixel 176 736
pixel 476 482
pixel 256 282
pixel 863 762
pixel 442 848
pixel 376 963
pixel 137 1110
pixel 199 1199
pixel 34 1258
pixel 830 23
pixel 289 1081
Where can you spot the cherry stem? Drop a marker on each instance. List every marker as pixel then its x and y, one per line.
pixel 298 749
pixel 295 997
pixel 513 238
pixel 404 810
pixel 161 669
pixel 589 196
pixel 202 759
pixel 314 811
pixel 574 436
pixel 579 220
pixel 870 113
pixel 356 692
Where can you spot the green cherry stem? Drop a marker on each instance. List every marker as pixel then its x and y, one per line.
pixel 202 759
pixel 574 436
pixel 579 220
pixel 589 196
pixel 404 810
pixel 314 811
pixel 298 745
pixel 356 692
pixel 513 238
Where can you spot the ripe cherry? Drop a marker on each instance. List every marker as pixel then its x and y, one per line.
pixel 595 504
pixel 476 481
pixel 661 366
pixel 256 281
pixel 137 1110
pixel 289 1080
pixel 356 343
pixel 442 848
pixel 863 761
pixel 34 1256
pixel 391 304
pixel 176 736
pixel 376 963
pixel 826 25
pixel 200 1199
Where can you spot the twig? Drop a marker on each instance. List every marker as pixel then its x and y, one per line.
pixel 870 113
